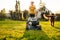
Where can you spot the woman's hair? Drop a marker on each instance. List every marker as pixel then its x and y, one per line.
pixel 32 2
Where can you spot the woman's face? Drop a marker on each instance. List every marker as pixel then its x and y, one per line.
pixel 32 3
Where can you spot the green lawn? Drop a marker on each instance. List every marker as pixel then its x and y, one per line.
pixel 15 30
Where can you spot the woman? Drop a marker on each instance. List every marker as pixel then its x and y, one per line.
pixel 32 9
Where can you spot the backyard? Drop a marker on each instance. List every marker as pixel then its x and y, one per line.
pixel 16 30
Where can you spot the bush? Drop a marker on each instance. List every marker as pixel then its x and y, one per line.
pixel 58 17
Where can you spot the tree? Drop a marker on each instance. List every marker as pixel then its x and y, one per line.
pixel 25 14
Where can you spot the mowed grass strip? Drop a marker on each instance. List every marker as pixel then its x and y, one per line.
pixel 47 33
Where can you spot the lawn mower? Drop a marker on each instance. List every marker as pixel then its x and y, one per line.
pixel 33 24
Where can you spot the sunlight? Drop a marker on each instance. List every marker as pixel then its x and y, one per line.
pixel 52 5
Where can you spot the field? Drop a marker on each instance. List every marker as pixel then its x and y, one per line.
pixel 16 30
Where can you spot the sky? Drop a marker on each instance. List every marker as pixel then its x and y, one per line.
pixel 52 5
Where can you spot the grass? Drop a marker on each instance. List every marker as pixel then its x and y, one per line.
pixel 16 30
pixel 11 29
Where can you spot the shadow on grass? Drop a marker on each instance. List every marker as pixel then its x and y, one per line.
pixel 35 35
pixel 57 27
